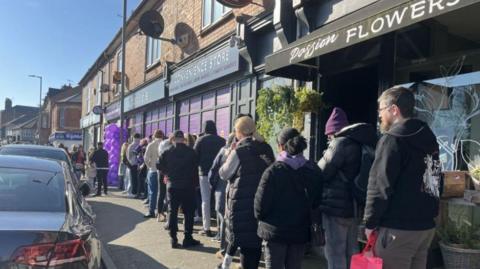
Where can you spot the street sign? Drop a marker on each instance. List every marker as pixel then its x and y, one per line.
pixel 97 110
pixel 235 3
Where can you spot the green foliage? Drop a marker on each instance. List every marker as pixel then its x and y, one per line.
pixel 460 233
pixel 283 106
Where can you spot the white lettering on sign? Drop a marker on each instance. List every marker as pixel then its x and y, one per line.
pixel 418 9
pixel 437 4
pixel 396 17
pixel 377 25
pixel 373 26
pixel 307 51
pixel 452 3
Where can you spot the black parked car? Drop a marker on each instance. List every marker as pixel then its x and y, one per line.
pixel 47 152
pixel 43 219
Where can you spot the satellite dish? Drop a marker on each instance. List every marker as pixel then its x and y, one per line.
pixel 235 3
pixel 152 24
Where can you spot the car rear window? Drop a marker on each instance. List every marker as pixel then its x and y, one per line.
pixel 41 153
pixel 31 190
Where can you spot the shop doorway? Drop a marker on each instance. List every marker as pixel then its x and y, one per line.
pixel 356 92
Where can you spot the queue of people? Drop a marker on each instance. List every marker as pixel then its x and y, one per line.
pixel 267 204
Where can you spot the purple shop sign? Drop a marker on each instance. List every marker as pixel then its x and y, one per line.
pixel 210 67
pixel 112 111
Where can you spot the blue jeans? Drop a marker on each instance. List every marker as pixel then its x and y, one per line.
pixel 152 178
pixel 340 241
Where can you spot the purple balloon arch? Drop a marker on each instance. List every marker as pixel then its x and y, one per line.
pixel 113 146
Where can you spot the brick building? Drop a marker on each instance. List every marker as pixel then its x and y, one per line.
pixel 61 112
pixel 13 115
pixel 212 72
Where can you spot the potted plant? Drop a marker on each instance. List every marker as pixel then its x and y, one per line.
pixel 460 244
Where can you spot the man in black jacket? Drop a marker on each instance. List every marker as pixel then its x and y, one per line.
pixel 207 147
pixel 403 189
pixel 100 158
pixel 340 164
pixel 180 165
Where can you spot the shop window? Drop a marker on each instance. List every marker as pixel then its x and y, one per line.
pixel 451 106
pixel 169 128
pixel 212 12
pixel 184 107
pixel 195 104
pixel 154 49
pixel 184 124
pixel 208 100
pixel 194 124
pixel 208 115
pixel 223 121
pixel 223 96
pixel 170 110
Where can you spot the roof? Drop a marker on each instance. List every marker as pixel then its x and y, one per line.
pixel 19 120
pixel 28 124
pixel 30 163
pixel 77 98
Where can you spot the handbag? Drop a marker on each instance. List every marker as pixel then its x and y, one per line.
pixel 366 259
pixel 317 233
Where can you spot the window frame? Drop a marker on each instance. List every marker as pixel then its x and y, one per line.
pixel 212 20
pixel 99 86
pixel 151 60
pixel 61 117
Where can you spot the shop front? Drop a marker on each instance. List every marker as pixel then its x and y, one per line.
pixel 431 47
pixel 355 57
pixel 91 129
pixel 143 109
pixel 212 87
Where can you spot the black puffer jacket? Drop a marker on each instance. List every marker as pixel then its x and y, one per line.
pixel 207 147
pixel 343 154
pixel 283 201
pixel 240 220
pixel 180 164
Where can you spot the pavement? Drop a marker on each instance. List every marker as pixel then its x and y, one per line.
pixel 132 242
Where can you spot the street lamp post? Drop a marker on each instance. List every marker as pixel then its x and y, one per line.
pixel 122 88
pixel 40 105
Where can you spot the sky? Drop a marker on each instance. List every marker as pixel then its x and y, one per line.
pixel 56 39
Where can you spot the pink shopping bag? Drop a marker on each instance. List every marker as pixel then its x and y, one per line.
pixel 366 259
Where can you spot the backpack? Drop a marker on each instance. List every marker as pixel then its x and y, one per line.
pixel 360 182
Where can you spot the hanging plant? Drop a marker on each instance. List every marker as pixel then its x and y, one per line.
pixel 283 106
pixel 308 100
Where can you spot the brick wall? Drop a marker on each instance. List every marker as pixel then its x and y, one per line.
pixel 174 12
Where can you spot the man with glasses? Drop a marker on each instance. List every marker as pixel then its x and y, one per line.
pixel 403 188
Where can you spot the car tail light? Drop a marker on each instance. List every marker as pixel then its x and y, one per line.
pixel 51 254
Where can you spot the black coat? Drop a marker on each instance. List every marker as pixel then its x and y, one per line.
pixel 207 147
pixel 100 158
pixel 343 155
pixel 404 183
pixel 284 200
pixel 241 224
pixel 180 164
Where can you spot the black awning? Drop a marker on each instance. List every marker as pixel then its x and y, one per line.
pixel 369 22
